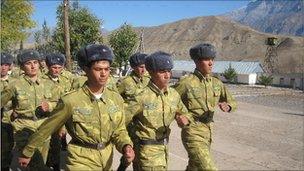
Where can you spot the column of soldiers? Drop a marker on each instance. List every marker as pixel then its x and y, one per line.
pixel 133 114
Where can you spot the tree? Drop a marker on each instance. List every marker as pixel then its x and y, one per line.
pixel 43 43
pixel 265 80
pixel 15 20
pixel 230 74
pixel 84 29
pixel 123 41
pixel 66 32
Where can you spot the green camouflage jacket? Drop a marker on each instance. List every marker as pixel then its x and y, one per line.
pixel 132 85
pixel 26 95
pixel 201 94
pixel 152 112
pixel 86 119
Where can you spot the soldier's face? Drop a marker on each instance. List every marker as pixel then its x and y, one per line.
pixel 98 73
pixel 31 68
pixel 204 65
pixel 140 70
pixel 161 78
pixel 42 64
pixel 4 69
pixel 55 70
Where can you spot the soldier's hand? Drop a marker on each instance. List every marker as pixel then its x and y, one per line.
pixel 181 120
pixel 24 161
pixel 224 107
pixel 62 133
pixel 128 153
pixel 45 106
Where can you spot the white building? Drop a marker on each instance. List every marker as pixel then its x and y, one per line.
pixel 247 72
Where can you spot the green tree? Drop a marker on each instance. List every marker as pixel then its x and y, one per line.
pixel 84 29
pixel 15 21
pixel 123 41
pixel 265 80
pixel 230 74
pixel 43 42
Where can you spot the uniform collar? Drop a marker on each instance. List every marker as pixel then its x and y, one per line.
pixel 88 92
pixel 48 76
pixel 135 77
pixel 201 76
pixel 154 88
pixel 29 80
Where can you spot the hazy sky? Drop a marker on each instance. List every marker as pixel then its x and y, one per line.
pixel 139 13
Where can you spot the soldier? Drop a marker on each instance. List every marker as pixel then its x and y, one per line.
pixel 131 85
pixel 93 116
pixel 42 64
pixel 7 140
pixel 201 93
pixel 137 80
pixel 152 111
pixel 55 63
pixel 30 96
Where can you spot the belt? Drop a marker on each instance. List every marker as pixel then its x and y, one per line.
pixel 206 118
pixel 96 146
pixel 34 118
pixel 164 141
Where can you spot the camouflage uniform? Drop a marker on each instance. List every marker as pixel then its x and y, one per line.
pixel 7 140
pixel 94 124
pixel 16 72
pixel 132 85
pixel 26 95
pixel 63 84
pixel 201 95
pixel 153 113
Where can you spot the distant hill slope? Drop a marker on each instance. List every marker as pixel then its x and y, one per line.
pixel 233 41
pixel 272 16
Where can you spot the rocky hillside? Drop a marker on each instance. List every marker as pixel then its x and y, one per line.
pixel 272 16
pixel 233 41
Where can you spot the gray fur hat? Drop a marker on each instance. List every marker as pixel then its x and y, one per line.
pixel 28 55
pixel 94 52
pixel 55 59
pixel 137 59
pixel 6 58
pixel 159 61
pixel 203 51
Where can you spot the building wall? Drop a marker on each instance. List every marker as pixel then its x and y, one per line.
pixel 292 81
pixel 250 79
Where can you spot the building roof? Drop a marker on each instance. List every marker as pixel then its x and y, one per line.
pixel 241 67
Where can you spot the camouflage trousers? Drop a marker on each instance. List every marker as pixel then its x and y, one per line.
pixel 81 158
pixel 197 138
pixel 23 129
pixel 151 157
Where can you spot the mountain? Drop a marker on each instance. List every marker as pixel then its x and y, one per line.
pixel 233 41
pixel 272 16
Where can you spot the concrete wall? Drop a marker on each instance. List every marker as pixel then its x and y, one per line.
pixel 294 81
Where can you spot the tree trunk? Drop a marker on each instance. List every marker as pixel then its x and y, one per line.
pixel 67 33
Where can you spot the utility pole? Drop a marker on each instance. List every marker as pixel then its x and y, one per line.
pixel 141 47
pixel 67 33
